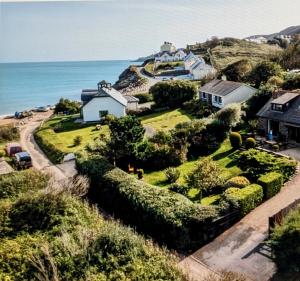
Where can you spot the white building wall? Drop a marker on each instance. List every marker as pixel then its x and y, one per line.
pixel 132 106
pixel 202 71
pixel 91 110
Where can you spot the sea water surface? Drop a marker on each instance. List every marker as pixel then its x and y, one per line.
pixel 24 86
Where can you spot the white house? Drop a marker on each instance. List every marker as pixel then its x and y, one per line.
pixel 167 47
pixel 164 57
pixel 220 93
pixel 97 103
pixel 190 59
pixel 200 70
pixel 179 55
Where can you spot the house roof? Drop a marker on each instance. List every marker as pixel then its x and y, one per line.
pixel 290 115
pixel 221 87
pixel 88 94
pixel 131 99
pixel 189 56
pixel 285 98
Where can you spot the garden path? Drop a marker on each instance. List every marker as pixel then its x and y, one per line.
pixel 242 248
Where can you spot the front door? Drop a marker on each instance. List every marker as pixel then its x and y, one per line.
pixel 209 99
pixel 274 126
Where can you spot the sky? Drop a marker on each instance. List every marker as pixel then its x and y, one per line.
pixel 127 29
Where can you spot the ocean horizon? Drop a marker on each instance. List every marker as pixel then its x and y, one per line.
pixel 26 85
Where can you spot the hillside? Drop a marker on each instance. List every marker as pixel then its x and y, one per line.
pixel 291 30
pixel 229 50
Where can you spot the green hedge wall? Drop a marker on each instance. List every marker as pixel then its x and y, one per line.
pixel 168 217
pixel 246 198
pixel 55 155
pixel 271 183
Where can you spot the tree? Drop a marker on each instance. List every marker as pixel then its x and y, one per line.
pixel 237 71
pixel 173 94
pixel 230 115
pixel 67 106
pixel 263 71
pixel 206 176
pixel 126 133
pixel 292 82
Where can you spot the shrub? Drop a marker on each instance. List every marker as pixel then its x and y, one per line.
pixel 237 71
pixel 206 177
pixel 140 173
pixel 144 97
pixel 182 189
pixel 170 218
pixel 172 174
pixel 77 140
pixel 250 143
pixel 246 198
pixel 285 243
pixel 235 140
pixel 172 94
pixel 107 119
pixel 2 153
pixel 271 183
pixel 237 181
pixel 9 133
pixel 67 106
pixel 16 183
pixel 292 82
pixel 230 115
pixel 256 163
pixel 55 155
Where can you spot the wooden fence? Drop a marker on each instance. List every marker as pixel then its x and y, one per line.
pixel 279 216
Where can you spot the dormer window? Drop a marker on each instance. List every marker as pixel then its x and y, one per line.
pixel 277 107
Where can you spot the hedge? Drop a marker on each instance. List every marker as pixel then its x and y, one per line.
pixel 55 155
pixel 246 198
pixel 168 217
pixel 271 183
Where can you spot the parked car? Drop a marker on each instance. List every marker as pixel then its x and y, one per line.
pixel 23 114
pixel 22 160
pixel 12 148
pixel 42 109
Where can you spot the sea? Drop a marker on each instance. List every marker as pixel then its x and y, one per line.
pixel 24 86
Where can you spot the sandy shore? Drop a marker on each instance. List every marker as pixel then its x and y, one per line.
pixel 20 122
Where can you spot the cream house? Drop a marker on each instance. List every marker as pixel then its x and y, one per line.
pixel 200 70
pixel 167 47
pixel 220 93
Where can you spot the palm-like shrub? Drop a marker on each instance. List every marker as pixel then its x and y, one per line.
pixel 172 174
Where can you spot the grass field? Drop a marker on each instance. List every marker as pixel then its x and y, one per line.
pixel 165 120
pixel 64 139
pixel 224 157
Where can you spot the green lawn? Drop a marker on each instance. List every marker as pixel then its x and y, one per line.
pixel 224 156
pixel 64 140
pixel 166 120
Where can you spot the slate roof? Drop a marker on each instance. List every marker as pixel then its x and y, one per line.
pixel 88 94
pixel 290 115
pixel 220 87
pixel 285 98
pixel 131 99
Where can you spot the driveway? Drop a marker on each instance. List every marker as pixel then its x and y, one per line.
pixel 39 159
pixel 241 248
pixel 292 152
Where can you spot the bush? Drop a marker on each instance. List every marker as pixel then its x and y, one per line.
pixel 292 82
pixel 237 181
pixel 11 185
pixel 144 97
pixel 172 174
pixel 181 189
pixel 235 140
pixel 170 218
pixel 77 140
pixel 250 143
pixel 271 183
pixel 246 198
pixel 107 119
pixel 9 133
pixel 55 155
pixel 172 94
pixel 237 71
pixel 230 115
pixel 285 243
pixel 206 177
pixel 67 106
pixel 256 163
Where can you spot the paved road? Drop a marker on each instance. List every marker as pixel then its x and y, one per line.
pixel 39 159
pixel 241 248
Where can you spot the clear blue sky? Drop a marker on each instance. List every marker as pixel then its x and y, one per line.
pixel 126 29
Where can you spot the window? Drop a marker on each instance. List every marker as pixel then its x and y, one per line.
pixel 220 100
pixel 103 113
pixel 204 96
pixel 216 99
pixel 277 107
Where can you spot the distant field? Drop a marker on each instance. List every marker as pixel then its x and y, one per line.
pixel 224 55
pixel 166 120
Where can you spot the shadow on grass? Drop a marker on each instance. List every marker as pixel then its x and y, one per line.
pixel 222 155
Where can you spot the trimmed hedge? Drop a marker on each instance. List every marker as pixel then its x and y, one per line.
pixel 235 140
pixel 238 181
pixel 55 155
pixel 246 198
pixel 271 183
pixel 168 217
